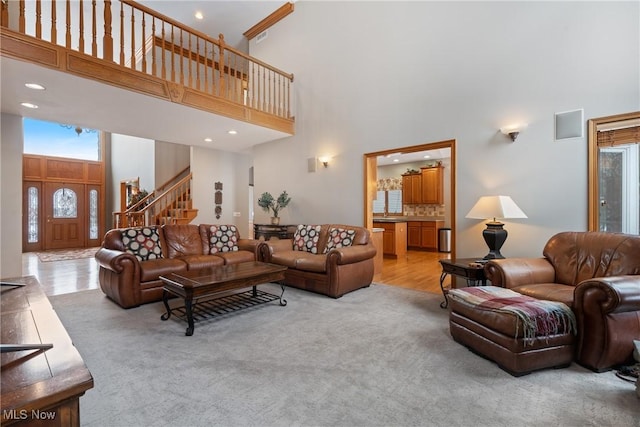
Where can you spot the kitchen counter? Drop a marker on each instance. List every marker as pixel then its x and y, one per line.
pixel 407 218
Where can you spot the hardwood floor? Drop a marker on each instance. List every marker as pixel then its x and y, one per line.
pixel 418 270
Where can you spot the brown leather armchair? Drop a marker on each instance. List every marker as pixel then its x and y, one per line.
pixel 597 275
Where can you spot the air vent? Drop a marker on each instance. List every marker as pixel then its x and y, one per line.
pixel 263 35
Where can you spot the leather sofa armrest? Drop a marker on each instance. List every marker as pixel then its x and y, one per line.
pixel 512 272
pixel 614 294
pixel 351 254
pixel 266 248
pixel 250 245
pixel 113 260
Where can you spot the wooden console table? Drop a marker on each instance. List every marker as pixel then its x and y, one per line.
pixel 39 387
pixel 269 230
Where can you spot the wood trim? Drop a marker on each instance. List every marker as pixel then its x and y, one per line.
pixel 269 21
pixel 370 162
pixel 593 221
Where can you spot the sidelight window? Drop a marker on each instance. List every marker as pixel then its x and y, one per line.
pixel 93 214
pixel 32 215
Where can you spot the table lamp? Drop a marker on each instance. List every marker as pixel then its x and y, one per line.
pixel 492 207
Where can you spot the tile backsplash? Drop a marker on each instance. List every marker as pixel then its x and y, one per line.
pixel 424 210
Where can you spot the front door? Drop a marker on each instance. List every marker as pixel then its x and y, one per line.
pixel 64 210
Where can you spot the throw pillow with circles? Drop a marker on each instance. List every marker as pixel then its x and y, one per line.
pixel 306 238
pixel 223 238
pixel 339 238
pixel 143 243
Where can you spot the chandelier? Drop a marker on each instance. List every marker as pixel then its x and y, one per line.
pixel 78 129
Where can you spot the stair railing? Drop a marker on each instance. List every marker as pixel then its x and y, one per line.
pixel 169 207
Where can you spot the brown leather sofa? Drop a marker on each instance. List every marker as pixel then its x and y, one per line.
pixel 322 267
pixel 130 276
pixel 597 275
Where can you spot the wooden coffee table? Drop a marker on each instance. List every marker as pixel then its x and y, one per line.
pixel 202 290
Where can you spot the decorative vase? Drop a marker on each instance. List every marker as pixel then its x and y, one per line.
pixel 275 220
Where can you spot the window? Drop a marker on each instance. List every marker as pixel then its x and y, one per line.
pixel 54 139
pixel 32 221
pixel 65 203
pixel 93 214
pixel 388 202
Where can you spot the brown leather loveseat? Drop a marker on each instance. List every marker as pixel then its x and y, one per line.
pixel 597 275
pixel 131 260
pixel 330 259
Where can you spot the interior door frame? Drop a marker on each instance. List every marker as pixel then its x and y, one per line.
pixel 370 181
pixel 594 161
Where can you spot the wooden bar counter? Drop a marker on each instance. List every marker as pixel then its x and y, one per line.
pixel 39 387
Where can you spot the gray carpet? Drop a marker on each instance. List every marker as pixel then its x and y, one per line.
pixel 380 356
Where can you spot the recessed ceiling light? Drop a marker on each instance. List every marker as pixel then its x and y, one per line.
pixel 232 132
pixel 208 140
pixel 35 86
pixel 427 156
pixel 29 105
pixel 199 15
pixel 396 160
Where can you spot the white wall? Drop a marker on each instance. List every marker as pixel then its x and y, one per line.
pixel 169 160
pixel 11 143
pixel 132 157
pixel 372 76
pixel 232 170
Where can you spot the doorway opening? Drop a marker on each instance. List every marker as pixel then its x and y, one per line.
pixel 427 268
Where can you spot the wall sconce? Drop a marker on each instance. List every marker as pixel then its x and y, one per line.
pixel 513 130
pixel 325 161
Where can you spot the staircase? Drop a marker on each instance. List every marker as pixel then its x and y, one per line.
pixel 169 204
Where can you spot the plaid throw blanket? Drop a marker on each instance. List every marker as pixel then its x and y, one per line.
pixel 539 318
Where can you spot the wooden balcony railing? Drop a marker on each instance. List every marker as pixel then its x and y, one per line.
pixel 132 36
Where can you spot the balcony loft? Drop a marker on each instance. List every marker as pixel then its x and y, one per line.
pixel 121 67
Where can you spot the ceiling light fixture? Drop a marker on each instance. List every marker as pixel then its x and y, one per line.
pixel 29 105
pixel 199 15
pixel 34 86
pixel 232 132
pixel 78 129
pixel 208 140
pixel 427 156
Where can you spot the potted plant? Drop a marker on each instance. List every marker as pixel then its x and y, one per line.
pixel 268 203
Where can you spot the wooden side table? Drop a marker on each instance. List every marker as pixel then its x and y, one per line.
pixel 463 267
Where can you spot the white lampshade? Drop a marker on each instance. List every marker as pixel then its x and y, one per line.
pixel 495 207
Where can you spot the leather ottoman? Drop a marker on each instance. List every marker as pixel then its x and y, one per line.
pixel 500 336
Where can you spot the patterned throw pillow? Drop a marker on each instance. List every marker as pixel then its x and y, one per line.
pixel 306 238
pixel 339 238
pixel 143 242
pixel 223 238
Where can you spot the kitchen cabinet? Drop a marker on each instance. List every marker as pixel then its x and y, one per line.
pixel 394 238
pixel 412 189
pixel 423 234
pixel 432 186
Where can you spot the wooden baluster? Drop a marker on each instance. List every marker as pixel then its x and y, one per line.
pixel 81 38
pixel 54 23
pixel 289 82
pixel 264 88
pixel 181 60
pixel 22 20
pixel 222 83
pixel 190 60
pixel 198 63
pixel 38 19
pixel 94 44
pixel 68 21
pixel 144 45
pixel 122 62
pixel 133 40
pixel 154 68
pixel 4 14
pixel 107 44
pixel 173 56
pixel 164 49
pixel 205 68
